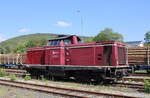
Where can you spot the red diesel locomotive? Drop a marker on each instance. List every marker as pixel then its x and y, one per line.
pixel 66 57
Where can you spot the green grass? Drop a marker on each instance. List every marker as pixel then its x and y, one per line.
pixel 2 73
pixel 140 71
pixel 27 78
pixel 12 77
pixel 147 86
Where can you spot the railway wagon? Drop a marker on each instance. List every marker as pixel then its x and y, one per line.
pixel 139 58
pixel 12 60
pixel 66 57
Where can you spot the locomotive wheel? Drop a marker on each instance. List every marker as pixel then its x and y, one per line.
pixel 99 80
pixel 54 78
pixel 82 78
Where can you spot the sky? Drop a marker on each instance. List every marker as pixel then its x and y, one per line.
pixel 80 17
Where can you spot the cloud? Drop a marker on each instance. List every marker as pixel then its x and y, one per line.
pixel 23 30
pixel 63 24
pixel 2 37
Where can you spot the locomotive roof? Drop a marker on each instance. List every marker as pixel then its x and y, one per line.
pixel 64 37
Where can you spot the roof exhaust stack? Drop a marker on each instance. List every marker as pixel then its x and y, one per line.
pixel 62 35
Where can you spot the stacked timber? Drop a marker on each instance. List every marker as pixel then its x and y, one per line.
pixel 139 55
pixel 12 58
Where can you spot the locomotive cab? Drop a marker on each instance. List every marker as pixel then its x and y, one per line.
pixel 64 40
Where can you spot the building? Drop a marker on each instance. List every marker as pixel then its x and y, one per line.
pixel 135 43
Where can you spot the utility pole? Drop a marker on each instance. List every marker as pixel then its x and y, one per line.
pixel 81 20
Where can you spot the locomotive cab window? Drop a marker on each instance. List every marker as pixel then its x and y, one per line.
pixel 54 43
pixel 67 41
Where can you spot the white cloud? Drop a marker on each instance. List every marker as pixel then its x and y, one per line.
pixel 2 37
pixel 63 24
pixel 23 30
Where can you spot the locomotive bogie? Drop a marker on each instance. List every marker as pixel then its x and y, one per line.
pixel 82 73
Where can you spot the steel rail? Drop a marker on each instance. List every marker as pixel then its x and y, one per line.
pixel 134 79
pixel 44 91
pixel 15 70
pixel 131 85
pixel 140 74
pixel 72 90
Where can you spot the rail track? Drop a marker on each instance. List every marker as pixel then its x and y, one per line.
pixel 135 79
pixel 140 74
pixel 136 82
pixel 17 72
pixel 130 85
pixel 123 82
pixel 66 92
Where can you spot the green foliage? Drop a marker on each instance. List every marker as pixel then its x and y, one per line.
pixel 5 49
pixel 89 40
pixel 130 80
pixel 108 35
pixel 12 77
pixel 147 38
pixel 20 48
pixel 2 73
pixel 29 44
pixel 10 45
pixel 147 86
pixel 1 50
pixel 44 79
pixel 27 78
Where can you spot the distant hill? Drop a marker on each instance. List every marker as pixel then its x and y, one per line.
pixel 13 42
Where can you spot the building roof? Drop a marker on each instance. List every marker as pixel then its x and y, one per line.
pixel 135 43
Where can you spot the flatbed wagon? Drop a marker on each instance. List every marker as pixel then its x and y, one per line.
pixel 139 58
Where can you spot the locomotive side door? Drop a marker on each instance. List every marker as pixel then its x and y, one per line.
pixel 107 55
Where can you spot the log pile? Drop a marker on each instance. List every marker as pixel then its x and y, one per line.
pixel 12 58
pixel 139 55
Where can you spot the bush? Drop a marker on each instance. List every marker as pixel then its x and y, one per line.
pixel 27 78
pixel 2 73
pixel 12 77
pixel 147 86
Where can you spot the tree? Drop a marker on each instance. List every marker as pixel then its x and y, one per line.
pixel 108 35
pixel 20 48
pixel 1 50
pixel 147 38
pixel 30 44
pixel 7 49
pixel 90 39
